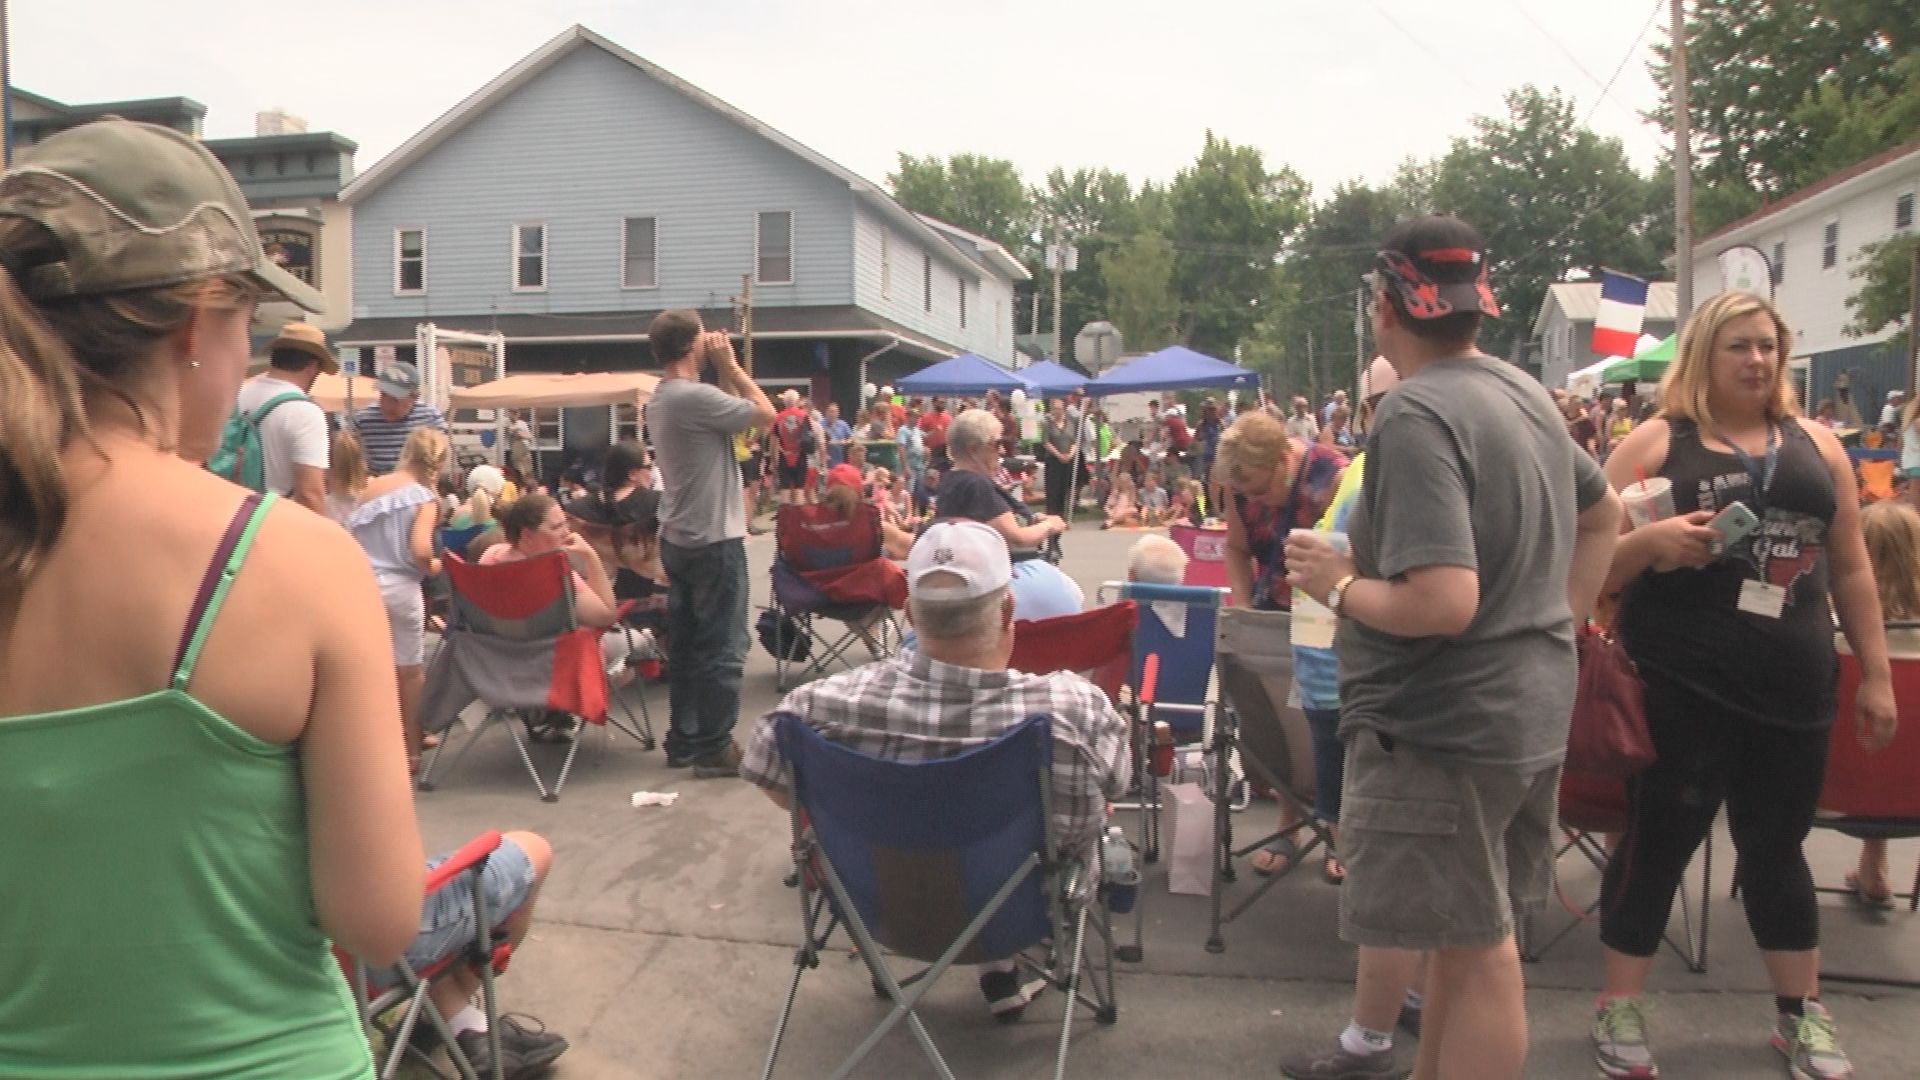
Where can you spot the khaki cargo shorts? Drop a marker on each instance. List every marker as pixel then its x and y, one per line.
pixel 1439 853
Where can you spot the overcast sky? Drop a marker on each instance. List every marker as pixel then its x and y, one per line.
pixel 1338 89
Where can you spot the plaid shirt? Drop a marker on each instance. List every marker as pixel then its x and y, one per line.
pixel 914 708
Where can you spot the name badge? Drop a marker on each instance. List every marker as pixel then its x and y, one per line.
pixel 1760 598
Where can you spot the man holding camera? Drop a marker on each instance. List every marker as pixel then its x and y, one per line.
pixel 703 528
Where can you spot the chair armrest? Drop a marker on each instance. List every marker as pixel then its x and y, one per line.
pixel 1149 677
pixel 470 853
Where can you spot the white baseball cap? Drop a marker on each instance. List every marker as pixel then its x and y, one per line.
pixel 973 552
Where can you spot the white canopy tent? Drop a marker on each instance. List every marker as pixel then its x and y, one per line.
pixel 1588 380
pixel 550 391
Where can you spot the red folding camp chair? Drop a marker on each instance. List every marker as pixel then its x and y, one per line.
pixel 516 645
pixel 1096 643
pixel 1206 554
pixel 393 1003
pixel 827 568
pixel 1875 796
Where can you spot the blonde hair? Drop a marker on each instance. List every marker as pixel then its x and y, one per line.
pixel 1685 388
pixel 1892 530
pixel 54 359
pixel 346 464
pixel 1255 443
pixel 425 451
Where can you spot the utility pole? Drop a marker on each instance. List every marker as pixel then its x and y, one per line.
pixel 746 322
pixel 1059 271
pixel 1913 316
pixel 1682 169
pixel 1313 376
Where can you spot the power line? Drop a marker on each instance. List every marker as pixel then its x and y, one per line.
pixel 1639 38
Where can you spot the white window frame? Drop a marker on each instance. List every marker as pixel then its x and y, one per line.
pixel 962 292
pixel 398 232
pixel 549 428
pixel 626 260
pixel 1830 249
pixel 757 266
pixel 627 421
pixel 513 265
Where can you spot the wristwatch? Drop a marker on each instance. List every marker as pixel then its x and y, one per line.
pixel 1338 594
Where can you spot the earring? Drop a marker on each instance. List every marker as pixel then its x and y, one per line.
pixel 194 364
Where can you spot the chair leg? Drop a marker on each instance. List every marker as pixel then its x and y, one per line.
pixel 526 759
pixel 566 766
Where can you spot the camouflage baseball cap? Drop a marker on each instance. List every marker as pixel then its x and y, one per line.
pixel 133 206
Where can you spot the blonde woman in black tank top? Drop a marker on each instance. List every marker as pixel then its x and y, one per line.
pixel 1736 648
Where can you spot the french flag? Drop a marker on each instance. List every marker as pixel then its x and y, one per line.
pixel 1623 309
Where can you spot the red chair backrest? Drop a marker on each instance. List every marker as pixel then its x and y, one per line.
pixel 1593 803
pixel 1884 784
pixel 525 600
pixel 1097 643
pixel 816 538
pixel 1206 554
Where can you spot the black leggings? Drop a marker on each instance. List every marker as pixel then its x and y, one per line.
pixel 1059 484
pixel 1768 777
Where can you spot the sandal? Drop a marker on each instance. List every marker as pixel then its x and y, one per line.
pixel 1333 871
pixel 1866 898
pixel 1280 852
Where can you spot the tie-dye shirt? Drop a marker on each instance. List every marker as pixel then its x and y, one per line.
pixel 1316 479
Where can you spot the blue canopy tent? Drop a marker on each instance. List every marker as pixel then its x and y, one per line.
pixel 967 373
pixel 1175 367
pixel 1053 380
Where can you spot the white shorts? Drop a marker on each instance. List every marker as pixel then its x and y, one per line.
pixel 406 621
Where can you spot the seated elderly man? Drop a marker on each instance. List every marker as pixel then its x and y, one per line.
pixel 954 693
pixel 1156 560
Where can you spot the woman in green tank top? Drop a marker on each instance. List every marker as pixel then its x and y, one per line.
pixel 201 770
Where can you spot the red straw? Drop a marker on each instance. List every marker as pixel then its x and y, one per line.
pixel 1641 472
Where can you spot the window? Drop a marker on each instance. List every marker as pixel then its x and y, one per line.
pixel 963 303
pixel 1830 247
pixel 1779 262
pixel 626 423
pixel 639 253
pixel 1903 211
pixel 547 432
pixel 773 248
pixel 409 261
pixel 926 282
pixel 529 258
pixel 886 264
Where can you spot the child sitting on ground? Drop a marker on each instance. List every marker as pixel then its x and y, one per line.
pixel 1185 507
pixel 1892 531
pixel 1154 502
pixel 1123 505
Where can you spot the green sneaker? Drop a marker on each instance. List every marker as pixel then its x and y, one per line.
pixel 1620 1041
pixel 1811 1045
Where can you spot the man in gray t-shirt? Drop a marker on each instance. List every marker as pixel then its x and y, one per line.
pixel 703 528
pixel 1480 535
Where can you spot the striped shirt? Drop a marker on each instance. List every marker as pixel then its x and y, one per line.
pixel 382 438
pixel 914 708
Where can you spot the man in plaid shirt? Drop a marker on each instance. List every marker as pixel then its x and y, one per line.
pixel 953 693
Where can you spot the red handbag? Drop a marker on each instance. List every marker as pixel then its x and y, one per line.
pixel 1608 736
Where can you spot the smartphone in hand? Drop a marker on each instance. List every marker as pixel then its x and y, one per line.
pixel 1734 524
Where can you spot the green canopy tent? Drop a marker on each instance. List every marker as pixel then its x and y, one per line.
pixel 1647 366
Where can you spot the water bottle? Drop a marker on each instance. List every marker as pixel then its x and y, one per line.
pixel 1120 878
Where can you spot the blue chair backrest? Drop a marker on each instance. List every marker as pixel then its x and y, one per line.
pixel 921 847
pixel 456 540
pixel 1186 660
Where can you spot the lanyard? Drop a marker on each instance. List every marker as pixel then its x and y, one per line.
pixel 1759 474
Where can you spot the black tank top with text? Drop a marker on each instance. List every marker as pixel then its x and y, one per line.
pixel 1687 626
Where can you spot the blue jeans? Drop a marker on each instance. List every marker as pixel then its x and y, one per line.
pixel 1329 762
pixel 707 629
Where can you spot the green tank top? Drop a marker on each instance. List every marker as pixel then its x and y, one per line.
pixel 156 917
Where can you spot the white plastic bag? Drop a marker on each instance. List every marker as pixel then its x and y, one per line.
pixel 1190 860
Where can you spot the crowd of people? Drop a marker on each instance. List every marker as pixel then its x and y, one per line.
pixel 1456 518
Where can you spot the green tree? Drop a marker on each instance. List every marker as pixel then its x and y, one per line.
pixel 1885 273
pixel 980 194
pixel 1138 276
pixel 1095 211
pixel 1229 219
pixel 1783 92
pixel 1318 281
pixel 1551 197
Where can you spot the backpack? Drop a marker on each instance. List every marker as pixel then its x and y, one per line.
pixel 795 433
pixel 240 457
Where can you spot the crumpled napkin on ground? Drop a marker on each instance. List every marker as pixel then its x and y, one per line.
pixel 655 798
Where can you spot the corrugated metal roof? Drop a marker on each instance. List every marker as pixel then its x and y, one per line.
pixel 1580 300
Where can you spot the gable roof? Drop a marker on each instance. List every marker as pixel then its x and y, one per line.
pixel 577 37
pixel 1820 186
pixel 986 251
pixel 1579 301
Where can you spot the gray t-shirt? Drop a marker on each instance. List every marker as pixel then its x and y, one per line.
pixel 1469 464
pixel 692 425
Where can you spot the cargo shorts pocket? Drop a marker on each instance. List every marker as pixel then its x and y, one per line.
pixel 1400 856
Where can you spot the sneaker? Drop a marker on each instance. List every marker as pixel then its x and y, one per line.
pixel 718 765
pixel 525 1048
pixel 1410 1018
pixel 1335 1062
pixel 1006 995
pixel 1620 1041
pixel 676 762
pixel 1811 1045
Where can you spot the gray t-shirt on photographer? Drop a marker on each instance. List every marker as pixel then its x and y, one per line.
pixel 1469 464
pixel 692 426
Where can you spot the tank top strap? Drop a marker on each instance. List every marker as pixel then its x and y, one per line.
pixel 222 568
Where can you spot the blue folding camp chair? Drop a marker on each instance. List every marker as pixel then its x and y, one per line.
pixel 947 861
